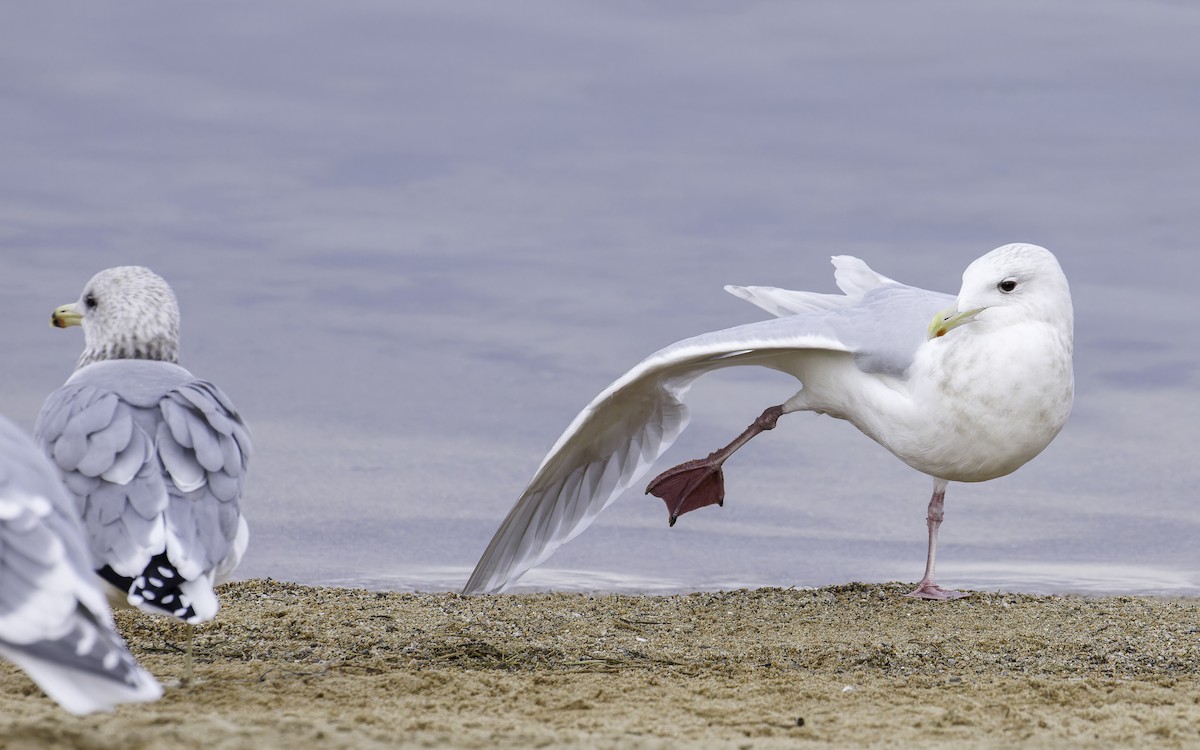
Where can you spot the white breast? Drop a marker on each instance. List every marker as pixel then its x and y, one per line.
pixel 991 401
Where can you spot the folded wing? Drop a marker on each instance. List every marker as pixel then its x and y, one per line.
pixel 158 475
pixel 54 622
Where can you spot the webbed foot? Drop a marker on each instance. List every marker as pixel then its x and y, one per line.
pixel 689 486
pixel 930 590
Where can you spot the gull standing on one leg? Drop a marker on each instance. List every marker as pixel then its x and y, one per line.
pixel 155 458
pixel 963 389
pixel 54 622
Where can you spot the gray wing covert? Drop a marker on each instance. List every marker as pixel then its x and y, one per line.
pixel 107 462
pixel 887 326
pixel 204 446
pixel 882 321
pixel 164 476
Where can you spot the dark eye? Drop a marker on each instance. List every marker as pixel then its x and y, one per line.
pixel 90 301
pixel 1007 285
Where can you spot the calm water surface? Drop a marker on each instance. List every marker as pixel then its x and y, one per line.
pixel 412 239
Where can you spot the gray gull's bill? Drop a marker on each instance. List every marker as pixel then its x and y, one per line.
pixel 963 389
pixel 54 621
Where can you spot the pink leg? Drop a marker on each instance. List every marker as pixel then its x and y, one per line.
pixel 927 589
pixel 698 483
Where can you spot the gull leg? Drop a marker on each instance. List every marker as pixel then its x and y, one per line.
pixel 187 666
pixel 701 482
pixel 927 589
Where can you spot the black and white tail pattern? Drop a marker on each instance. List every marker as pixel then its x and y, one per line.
pixel 158 586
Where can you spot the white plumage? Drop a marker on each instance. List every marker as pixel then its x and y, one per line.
pixel 962 389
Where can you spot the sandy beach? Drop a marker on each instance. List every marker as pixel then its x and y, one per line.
pixel 289 666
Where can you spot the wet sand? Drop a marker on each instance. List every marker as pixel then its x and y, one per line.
pixel 288 666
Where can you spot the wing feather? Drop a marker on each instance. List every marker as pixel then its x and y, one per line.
pixel 179 462
pixel 206 445
pixel 176 418
pixel 126 464
pixel 106 443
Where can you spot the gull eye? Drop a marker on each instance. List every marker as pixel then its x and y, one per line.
pixel 90 301
pixel 1007 285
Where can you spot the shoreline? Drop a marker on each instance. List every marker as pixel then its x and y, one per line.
pixel 287 666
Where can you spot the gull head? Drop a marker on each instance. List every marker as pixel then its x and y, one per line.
pixel 1011 284
pixel 127 312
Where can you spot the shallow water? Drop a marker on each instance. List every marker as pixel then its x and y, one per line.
pixel 411 242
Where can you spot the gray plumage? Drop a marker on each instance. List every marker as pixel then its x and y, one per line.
pixel 154 457
pixel 54 622
pixel 878 319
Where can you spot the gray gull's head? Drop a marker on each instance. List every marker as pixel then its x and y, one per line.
pixel 127 312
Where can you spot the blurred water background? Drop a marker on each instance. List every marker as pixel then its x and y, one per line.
pixel 413 239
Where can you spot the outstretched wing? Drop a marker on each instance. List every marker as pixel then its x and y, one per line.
pixel 612 442
pixel 156 461
pixel 54 622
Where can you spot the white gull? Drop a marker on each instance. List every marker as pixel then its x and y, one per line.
pixel 962 389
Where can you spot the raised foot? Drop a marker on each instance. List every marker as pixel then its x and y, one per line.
pixel 689 486
pixel 930 590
